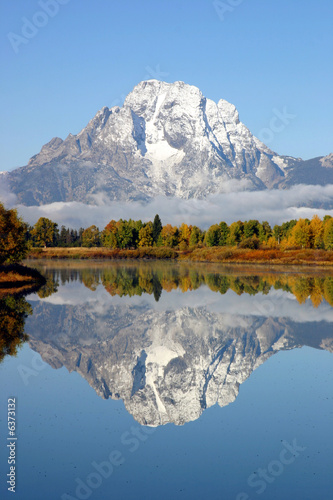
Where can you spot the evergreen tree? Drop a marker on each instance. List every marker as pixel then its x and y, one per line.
pixel 157 228
pixel 63 237
pixel 79 241
pixel 157 288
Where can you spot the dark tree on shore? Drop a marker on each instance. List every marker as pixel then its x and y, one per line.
pixel 157 228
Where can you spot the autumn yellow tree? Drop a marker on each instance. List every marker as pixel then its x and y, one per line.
pixel 169 235
pixel 328 234
pixel 301 233
pixel 316 232
pixel 13 244
pixel 146 235
pixel 109 235
pixel 272 243
pixel 184 236
pixel 45 233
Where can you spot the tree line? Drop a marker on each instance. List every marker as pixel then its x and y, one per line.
pixel 131 234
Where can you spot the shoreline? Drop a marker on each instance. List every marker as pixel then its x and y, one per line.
pixel 19 277
pixel 223 255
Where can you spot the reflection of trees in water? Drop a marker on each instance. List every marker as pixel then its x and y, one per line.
pixel 13 312
pixel 50 287
pixel 157 288
pixel 90 280
pixel 132 280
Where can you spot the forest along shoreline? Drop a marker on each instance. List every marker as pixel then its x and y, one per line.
pixel 227 255
pixel 295 242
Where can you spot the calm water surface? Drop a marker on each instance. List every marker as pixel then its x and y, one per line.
pixel 162 381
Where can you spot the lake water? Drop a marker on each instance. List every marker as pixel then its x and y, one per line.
pixel 167 381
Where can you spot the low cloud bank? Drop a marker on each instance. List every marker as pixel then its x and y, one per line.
pixel 275 206
pixel 6 197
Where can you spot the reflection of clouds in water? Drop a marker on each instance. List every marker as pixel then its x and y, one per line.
pixel 276 304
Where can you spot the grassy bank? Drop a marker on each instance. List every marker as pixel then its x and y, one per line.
pixel 102 253
pixel 230 255
pixel 244 256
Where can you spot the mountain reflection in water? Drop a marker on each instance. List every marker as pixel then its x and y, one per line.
pixel 169 356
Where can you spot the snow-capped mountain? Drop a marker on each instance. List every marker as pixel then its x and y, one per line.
pixel 167 139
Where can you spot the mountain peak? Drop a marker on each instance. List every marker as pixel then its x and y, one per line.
pixel 167 139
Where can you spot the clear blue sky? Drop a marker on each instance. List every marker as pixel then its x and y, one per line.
pixel 260 55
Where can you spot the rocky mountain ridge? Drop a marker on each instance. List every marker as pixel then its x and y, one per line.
pixel 167 139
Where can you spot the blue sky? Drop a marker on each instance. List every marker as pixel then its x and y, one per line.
pixel 266 57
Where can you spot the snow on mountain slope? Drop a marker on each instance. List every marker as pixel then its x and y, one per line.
pixel 167 139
